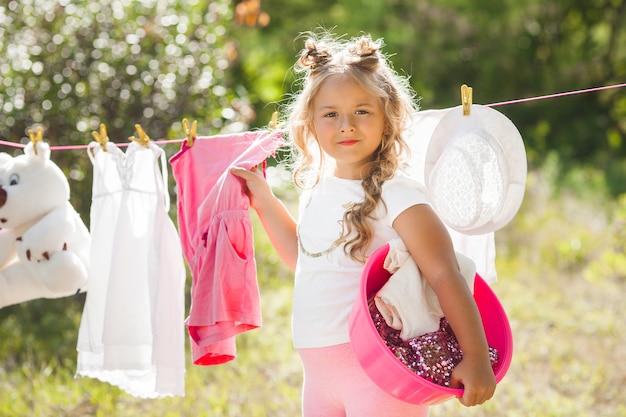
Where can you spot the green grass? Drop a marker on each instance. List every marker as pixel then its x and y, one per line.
pixel 562 272
pixel 264 380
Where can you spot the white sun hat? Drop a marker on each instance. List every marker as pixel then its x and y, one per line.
pixel 475 170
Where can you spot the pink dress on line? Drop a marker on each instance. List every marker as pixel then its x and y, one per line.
pixel 216 236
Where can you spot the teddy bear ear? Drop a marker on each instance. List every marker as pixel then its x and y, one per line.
pixel 37 149
pixel 5 158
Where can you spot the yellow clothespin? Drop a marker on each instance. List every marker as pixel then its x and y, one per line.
pixel 466 99
pixel 102 138
pixel 143 139
pixel 274 122
pixel 190 131
pixel 35 137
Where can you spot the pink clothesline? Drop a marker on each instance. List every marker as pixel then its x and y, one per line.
pixel 501 103
pixel 76 147
pixel 568 93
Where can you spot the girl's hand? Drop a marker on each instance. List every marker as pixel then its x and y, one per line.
pixel 257 189
pixel 477 380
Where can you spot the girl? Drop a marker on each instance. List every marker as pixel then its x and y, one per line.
pixel 346 128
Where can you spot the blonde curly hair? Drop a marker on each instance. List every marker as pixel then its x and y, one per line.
pixel 361 59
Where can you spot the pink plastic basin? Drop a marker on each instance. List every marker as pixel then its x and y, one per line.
pixel 386 370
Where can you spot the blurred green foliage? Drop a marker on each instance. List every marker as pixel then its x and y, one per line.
pixel 505 50
pixel 71 65
pixel 68 66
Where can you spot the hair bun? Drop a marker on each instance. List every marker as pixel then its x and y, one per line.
pixel 314 55
pixel 365 47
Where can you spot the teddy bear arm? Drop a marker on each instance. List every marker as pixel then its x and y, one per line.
pixel 7 247
pixel 50 233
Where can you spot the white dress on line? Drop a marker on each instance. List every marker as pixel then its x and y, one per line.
pixel 132 330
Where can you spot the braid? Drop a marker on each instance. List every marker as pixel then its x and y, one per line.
pixel 357 218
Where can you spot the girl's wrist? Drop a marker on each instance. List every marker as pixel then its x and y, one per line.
pixel 476 353
pixel 264 202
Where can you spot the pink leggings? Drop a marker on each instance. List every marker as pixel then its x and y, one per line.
pixel 335 385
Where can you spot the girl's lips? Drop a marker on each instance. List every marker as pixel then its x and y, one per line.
pixel 348 142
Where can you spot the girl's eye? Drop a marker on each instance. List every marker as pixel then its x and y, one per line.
pixel 361 112
pixel 331 114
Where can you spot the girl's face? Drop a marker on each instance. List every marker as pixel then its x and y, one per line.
pixel 348 123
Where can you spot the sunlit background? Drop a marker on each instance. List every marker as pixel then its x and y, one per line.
pixel 68 66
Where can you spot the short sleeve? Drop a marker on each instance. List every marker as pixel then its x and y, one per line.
pixel 400 193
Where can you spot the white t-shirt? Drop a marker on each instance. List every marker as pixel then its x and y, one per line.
pixel 326 279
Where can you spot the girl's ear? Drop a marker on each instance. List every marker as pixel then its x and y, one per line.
pixel 311 128
pixel 386 134
pixel 387 131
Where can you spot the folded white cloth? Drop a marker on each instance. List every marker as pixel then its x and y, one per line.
pixel 406 301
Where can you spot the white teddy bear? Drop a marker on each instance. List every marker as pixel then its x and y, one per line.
pixel 44 244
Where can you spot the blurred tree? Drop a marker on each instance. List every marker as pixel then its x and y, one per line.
pixel 503 49
pixel 68 66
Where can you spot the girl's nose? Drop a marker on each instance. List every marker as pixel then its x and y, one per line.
pixel 347 124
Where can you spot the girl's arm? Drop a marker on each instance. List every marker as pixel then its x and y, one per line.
pixel 430 245
pixel 278 223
